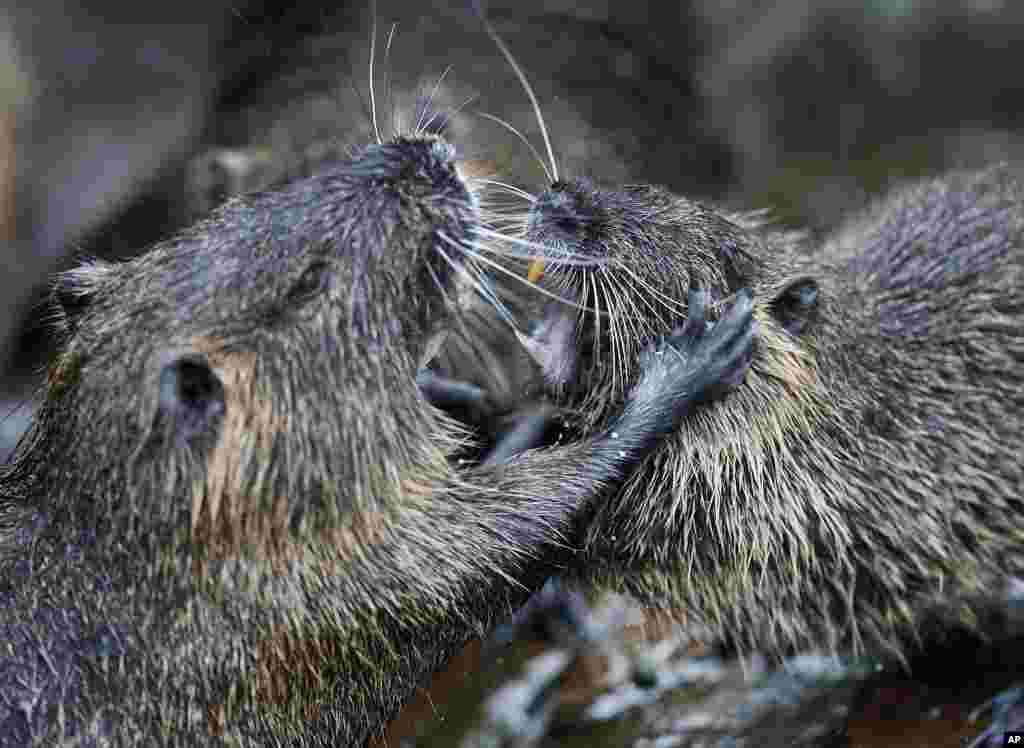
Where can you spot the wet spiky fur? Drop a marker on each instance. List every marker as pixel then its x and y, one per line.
pixel 235 520
pixel 867 479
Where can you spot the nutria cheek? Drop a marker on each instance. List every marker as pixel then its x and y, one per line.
pixel 225 389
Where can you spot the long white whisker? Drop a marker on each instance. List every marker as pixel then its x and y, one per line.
pixel 387 77
pixel 440 286
pixel 359 97
pixel 451 115
pixel 500 268
pixel 429 106
pixel 529 92
pixel 457 319
pixel 499 210
pixel 597 319
pixel 620 362
pixel 503 223
pixel 482 290
pixel 490 295
pixel 634 277
pixel 463 105
pixel 495 208
pixel 510 188
pixel 541 248
pixel 373 102
pixel 536 154
pixel 670 303
pixel 496 303
pixel 631 323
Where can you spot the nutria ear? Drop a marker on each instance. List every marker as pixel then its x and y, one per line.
pixel 191 400
pixel 796 305
pixel 73 290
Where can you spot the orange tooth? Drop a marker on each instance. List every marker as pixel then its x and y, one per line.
pixel 535 270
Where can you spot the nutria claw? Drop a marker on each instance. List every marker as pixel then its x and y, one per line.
pixel 696 310
pixel 706 354
pixel 696 323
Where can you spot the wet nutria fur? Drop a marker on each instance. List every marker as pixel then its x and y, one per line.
pixel 235 520
pixel 867 479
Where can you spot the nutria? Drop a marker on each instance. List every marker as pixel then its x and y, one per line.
pixel 866 482
pixel 235 518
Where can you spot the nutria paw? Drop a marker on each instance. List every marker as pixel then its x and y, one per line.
pixel 505 435
pixel 462 400
pixel 700 360
pixel 529 430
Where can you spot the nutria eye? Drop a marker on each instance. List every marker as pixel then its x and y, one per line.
pixel 191 397
pixel 796 305
pixel 310 284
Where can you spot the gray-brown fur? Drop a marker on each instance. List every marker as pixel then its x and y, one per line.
pixel 235 520
pixel 867 479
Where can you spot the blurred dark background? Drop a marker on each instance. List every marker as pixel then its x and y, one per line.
pixel 117 130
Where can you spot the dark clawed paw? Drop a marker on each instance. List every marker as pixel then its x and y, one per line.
pixel 706 358
pixel 529 430
pixel 451 395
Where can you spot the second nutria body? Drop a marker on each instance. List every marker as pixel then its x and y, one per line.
pixel 867 479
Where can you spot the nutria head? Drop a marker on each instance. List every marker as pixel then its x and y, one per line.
pixel 231 422
pixel 624 260
pixel 229 378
